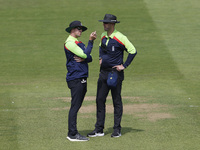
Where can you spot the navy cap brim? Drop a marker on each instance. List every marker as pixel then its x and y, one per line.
pixel 70 28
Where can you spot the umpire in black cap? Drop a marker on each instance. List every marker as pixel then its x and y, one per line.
pixel 111 51
pixel 78 56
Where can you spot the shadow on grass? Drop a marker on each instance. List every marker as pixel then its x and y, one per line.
pixel 110 130
pixel 124 130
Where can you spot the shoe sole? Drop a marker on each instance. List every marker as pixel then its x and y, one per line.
pixel 76 140
pixel 96 134
pixel 116 136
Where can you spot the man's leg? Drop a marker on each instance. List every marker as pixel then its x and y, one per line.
pixel 78 91
pixel 102 93
pixel 118 106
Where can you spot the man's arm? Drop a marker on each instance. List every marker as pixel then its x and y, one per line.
pixel 72 47
pixel 132 53
pixel 131 50
pixel 93 36
pixel 88 50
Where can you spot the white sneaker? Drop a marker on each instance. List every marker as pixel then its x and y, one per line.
pixel 95 134
pixel 77 137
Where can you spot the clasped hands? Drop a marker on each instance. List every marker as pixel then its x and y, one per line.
pixel 93 36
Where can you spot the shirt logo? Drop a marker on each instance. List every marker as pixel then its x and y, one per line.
pixel 83 81
pixel 113 48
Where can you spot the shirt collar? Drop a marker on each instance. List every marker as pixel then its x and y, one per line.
pixel 112 35
pixel 72 38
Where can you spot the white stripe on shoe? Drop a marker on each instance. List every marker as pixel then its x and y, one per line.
pixel 96 134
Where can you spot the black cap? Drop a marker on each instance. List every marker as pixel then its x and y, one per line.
pixel 108 18
pixel 75 24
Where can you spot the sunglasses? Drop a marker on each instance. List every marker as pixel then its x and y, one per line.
pixel 79 28
pixel 105 23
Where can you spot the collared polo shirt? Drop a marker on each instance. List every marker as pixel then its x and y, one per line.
pixel 111 49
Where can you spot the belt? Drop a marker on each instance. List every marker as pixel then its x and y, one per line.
pixel 108 69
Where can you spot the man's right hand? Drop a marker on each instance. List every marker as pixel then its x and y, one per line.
pixel 93 36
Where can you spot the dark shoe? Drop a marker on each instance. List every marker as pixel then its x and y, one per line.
pixel 116 134
pixel 95 134
pixel 77 137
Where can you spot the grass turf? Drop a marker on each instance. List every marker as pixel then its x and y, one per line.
pixel 33 114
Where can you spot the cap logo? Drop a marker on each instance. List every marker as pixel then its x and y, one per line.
pixel 110 19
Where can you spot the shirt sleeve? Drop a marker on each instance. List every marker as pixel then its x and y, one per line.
pixel 129 46
pixel 129 59
pixel 72 47
pixel 131 50
pixel 88 51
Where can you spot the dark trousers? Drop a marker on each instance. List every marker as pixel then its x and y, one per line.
pixel 78 89
pixel 102 93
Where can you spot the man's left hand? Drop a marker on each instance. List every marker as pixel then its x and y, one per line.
pixel 119 67
pixel 78 59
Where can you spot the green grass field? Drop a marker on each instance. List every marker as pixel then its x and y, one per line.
pixel 161 90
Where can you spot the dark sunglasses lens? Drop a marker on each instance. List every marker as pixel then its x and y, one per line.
pixel 79 28
pixel 105 22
